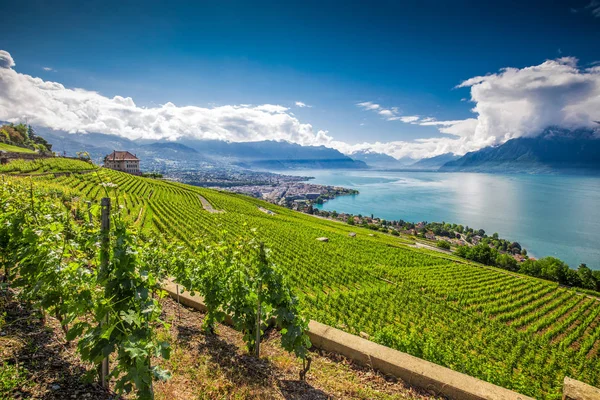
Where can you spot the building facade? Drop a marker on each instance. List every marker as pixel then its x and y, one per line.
pixel 123 161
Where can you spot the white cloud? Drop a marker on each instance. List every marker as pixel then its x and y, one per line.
pixel 390 114
pixel 6 61
pixel 368 105
pixel 302 105
pixel 522 102
pixel 510 104
pixel 409 119
pixel 387 113
pixel 50 104
pixel 420 148
pixel 49 69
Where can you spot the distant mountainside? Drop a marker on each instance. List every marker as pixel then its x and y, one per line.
pixel 274 155
pixel 191 153
pixel 433 163
pixel 555 150
pixel 380 160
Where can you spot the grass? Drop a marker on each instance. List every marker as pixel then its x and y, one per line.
pixel 11 378
pixel 14 149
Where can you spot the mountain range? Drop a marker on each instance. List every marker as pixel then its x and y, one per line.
pixel 554 150
pixel 269 155
pixel 380 160
pixel 434 163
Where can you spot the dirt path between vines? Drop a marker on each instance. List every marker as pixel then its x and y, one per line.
pixel 208 207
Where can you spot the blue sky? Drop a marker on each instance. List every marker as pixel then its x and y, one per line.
pixel 406 57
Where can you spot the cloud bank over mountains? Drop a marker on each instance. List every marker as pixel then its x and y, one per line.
pixel 513 103
pixel 508 104
pixel 50 104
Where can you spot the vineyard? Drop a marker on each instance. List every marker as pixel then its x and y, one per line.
pixel 515 331
pixel 40 166
pixel 14 149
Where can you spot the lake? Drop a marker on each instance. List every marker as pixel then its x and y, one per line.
pixel 549 215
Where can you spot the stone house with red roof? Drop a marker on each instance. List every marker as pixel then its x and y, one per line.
pixel 123 161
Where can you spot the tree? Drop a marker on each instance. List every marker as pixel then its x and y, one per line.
pixel 507 262
pixel 596 275
pixel 531 268
pixel 350 220
pixel 586 277
pixel 553 269
pixel 480 253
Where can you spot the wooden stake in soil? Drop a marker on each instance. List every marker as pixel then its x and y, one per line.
pixel 104 256
pixel 257 343
pixel 258 293
pixel 178 304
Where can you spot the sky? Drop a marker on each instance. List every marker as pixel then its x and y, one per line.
pixel 408 79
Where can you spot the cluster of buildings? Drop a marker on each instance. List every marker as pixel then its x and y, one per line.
pixel 292 193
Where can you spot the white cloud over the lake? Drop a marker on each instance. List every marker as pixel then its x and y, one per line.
pixel 514 103
pixel 508 104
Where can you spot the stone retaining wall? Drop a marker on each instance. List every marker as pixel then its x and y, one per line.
pixel 575 390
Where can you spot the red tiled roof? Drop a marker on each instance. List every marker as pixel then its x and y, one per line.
pixel 121 156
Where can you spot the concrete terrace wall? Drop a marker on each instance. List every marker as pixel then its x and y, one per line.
pixel 575 390
pixel 412 370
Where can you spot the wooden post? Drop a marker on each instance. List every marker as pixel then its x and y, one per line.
pixel 104 258
pixel 178 304
pixel 257 343
pixel 263 262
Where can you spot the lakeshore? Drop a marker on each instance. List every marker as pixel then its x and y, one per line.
pixel 519 207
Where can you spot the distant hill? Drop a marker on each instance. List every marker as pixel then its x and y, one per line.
pixel 434 163
pixel 274 155
pixel 193 153
pixel 380 160
pixel 555 150
pixel 169 148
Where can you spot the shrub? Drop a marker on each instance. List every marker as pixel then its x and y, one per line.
pixel 442 244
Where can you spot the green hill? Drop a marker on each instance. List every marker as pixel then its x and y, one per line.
pixel 14 149
pixel 22 138
pixel 515 331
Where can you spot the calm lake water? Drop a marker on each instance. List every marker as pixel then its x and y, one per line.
pixel 549 215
